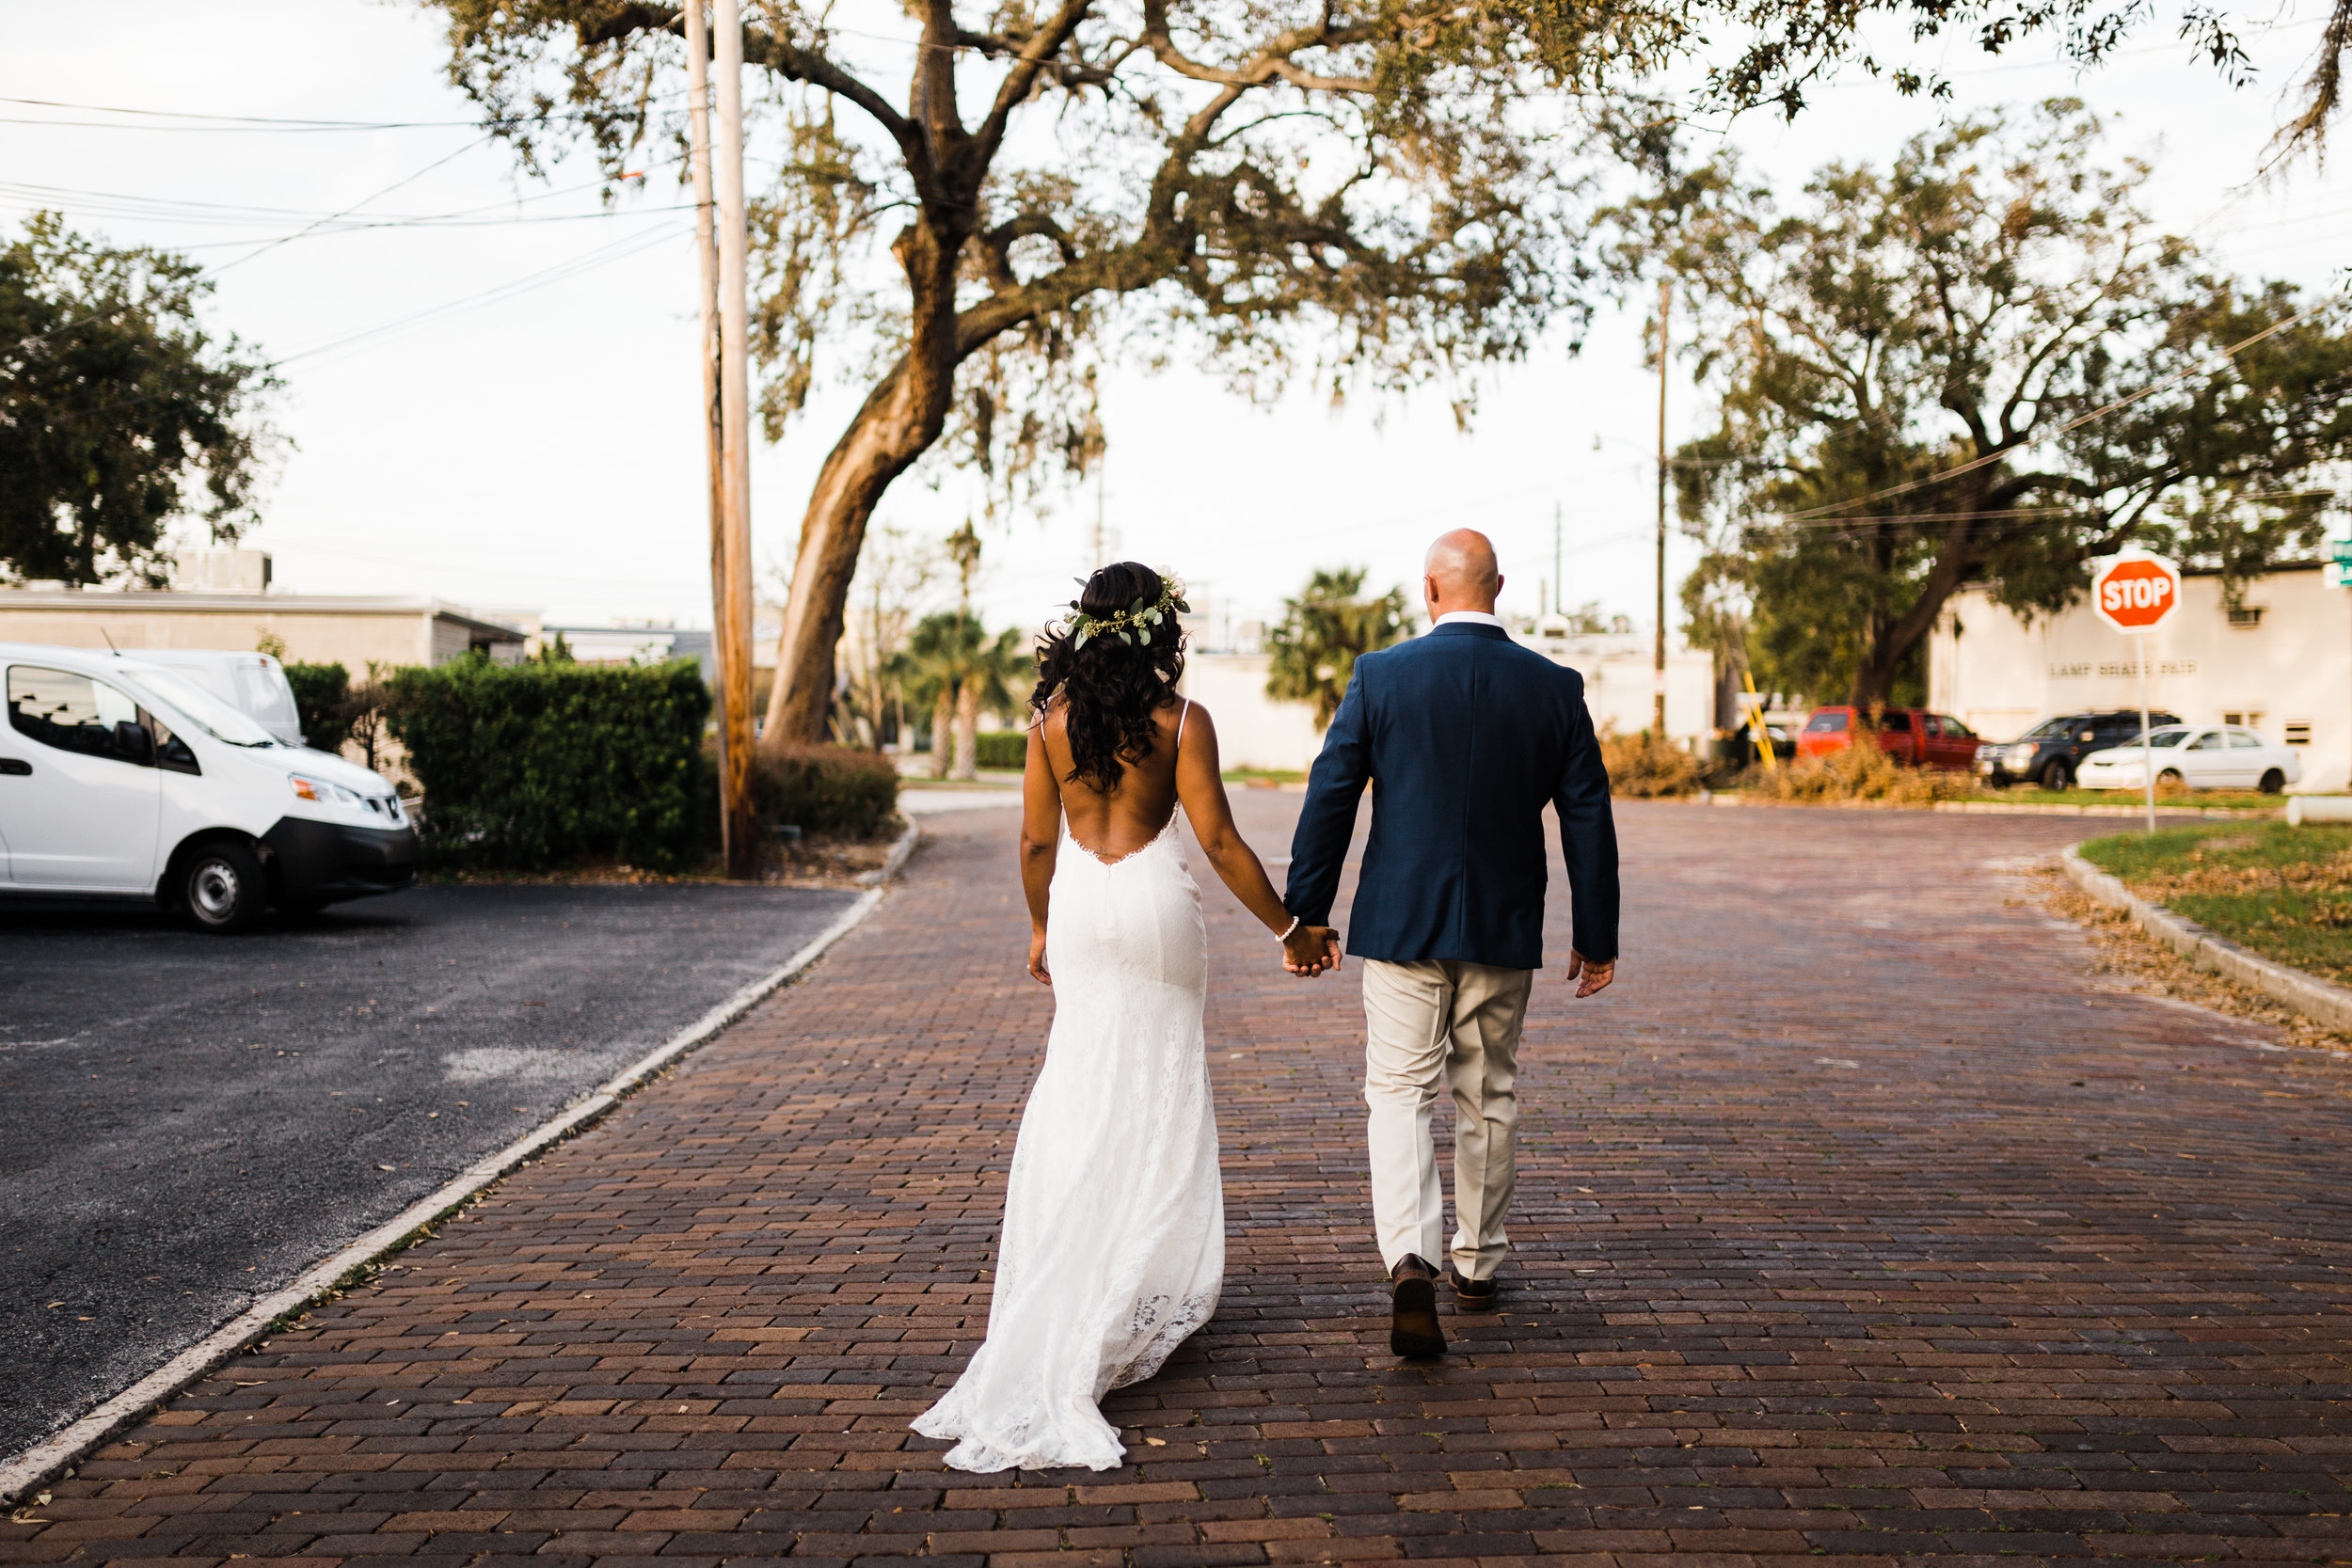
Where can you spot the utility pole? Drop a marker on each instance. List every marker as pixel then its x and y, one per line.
pixel 1657 653
pixel 735 409
pixel 1559 584
pixel 714 434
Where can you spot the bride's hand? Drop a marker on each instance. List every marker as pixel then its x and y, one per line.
pixel 1037 958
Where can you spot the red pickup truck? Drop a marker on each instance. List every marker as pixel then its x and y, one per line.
pixel 1911 734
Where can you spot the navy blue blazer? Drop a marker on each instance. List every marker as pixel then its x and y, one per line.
pixel 1463 736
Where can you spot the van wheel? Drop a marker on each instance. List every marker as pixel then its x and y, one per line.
pixel 222 887
pixel 2056 776
pixel 2273 781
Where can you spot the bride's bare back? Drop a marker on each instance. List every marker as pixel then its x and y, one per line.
pixel 1114 825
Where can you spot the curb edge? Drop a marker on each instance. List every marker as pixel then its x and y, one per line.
pixel 2315 998
pixel 20 1474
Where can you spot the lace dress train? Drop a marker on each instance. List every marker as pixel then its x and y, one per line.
pixel 1113 1247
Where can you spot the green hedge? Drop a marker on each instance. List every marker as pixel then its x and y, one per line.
pixel 826 789
pixel 543 765
pixel 322 694
pixel 1003 748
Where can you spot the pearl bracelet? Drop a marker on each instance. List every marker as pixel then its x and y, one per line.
pixel 1293 927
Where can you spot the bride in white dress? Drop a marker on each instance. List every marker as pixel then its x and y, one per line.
pixel 1114 1240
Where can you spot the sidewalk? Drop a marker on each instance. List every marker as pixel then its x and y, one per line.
pixel 1853 1227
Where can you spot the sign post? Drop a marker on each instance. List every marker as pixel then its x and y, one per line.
pixel 2136 592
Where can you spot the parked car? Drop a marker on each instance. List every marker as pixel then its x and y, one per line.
pixel 1911 734
pixel 2202 756
pixel 121 777
pixel 2052 752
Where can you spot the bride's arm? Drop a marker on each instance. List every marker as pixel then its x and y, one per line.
pixel 1201 785
pixel 1041 836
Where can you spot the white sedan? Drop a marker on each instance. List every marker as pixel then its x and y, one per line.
pixel 2202 756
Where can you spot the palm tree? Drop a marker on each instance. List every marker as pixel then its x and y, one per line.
pixel 954 666
pixel 1321 634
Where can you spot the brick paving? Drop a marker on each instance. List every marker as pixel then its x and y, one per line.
pixel 1856 1224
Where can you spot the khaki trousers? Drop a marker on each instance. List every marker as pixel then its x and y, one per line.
pixel 1457 1023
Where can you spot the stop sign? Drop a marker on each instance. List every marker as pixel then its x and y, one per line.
pixel 2135 593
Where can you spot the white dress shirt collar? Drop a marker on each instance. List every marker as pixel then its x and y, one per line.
pixel 1467 617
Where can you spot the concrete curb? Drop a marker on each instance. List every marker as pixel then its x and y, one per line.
pixel 23 1473
pixel 897 862
pixel 2307 994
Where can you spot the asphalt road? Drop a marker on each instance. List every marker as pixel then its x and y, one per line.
pixel 188 1122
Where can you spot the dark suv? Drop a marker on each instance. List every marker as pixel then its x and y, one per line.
pixel 2050 752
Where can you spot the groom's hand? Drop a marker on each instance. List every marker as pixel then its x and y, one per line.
pixel 1311 949
pixel 1589 977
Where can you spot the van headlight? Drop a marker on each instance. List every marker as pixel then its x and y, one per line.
pixel 321 792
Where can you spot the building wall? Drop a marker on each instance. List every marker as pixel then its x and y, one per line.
pixel 1255 731
pixel 350 632
pixel 2292 668
pixel 1252 729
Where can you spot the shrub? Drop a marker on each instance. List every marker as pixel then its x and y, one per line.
pixel 1863 771
pixel 1003 748
pixel 1642 767
pixel 541 765
pixel 321 694
pixel 826 789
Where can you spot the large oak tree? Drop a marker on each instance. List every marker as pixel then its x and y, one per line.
pixel 1383 190
pixel 1982 363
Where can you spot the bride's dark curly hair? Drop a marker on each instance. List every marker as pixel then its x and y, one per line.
pixel 1116 661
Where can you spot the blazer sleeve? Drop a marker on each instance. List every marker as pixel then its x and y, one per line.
pixel 1588 837
pixel 1326 821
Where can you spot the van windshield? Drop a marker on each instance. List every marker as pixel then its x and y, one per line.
pixel 206 711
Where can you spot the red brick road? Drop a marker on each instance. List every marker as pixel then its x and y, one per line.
pixel 1856 1224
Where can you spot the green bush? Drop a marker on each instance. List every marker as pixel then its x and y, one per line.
pixel 1003 748
pixel 322 694
pixel 826 789
pixel 543 765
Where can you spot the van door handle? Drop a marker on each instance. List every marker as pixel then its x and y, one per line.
pixel 13 768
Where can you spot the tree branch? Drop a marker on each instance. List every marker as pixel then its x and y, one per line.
pixel 759 48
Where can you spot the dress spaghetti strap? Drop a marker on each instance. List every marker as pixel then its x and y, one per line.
pixel 1180 721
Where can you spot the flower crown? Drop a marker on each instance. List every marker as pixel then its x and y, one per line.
pixel 1134 622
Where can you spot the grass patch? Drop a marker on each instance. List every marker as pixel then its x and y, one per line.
pixel 2284 892
pixel 2186 800
pixel 1264 776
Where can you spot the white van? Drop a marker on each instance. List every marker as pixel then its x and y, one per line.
pixel 120 776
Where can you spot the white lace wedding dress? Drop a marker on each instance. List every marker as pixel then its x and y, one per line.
pixel 1113 1241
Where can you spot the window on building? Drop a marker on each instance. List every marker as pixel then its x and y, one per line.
pixel 2298 731
pixel 2234 719
pixel 2245 617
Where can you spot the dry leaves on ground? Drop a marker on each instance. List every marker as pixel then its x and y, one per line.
pixel 2143 964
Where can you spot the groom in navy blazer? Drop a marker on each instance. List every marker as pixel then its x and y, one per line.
pixel 1464 736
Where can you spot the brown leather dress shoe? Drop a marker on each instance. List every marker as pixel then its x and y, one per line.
pixel 1471 1295
pixel 1413 1329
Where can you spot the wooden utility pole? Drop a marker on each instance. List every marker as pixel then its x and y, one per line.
pixel 734 417
pixel 714 433
pixel 1657 652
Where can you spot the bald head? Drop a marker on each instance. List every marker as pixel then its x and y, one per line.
pixel 1461 573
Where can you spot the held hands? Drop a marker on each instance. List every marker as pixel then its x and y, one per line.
pixel 1589 977
pixel 1037 957
pixel 1309 950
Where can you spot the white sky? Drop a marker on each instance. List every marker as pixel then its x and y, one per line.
pixel 541 449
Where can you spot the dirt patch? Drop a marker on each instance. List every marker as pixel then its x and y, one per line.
pixel 2136 961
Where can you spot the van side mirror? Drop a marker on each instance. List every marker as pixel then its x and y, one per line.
pixel 132 743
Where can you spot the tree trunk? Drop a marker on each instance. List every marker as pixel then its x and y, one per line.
pixel 968 730
pixel 943 732
pixel 899 420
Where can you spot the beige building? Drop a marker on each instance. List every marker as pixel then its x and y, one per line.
pixel 1255 731
pixel 235 609
pixel 2280 663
